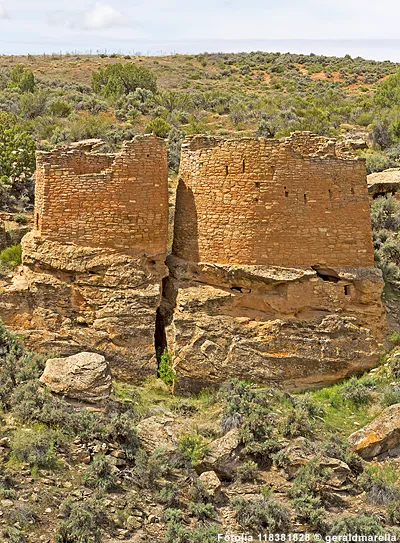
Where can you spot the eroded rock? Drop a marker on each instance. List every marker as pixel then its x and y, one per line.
pixel 379 436
pixel 210 482
pixel 85 377
pixel 223 456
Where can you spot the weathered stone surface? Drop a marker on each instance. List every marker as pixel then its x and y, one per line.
pixel 380 435
pixel 157 432
pixel 72 298
pixel 85 377
pixel 271 324
pixel 223 456
pixel 301 451
pixel 386 182
pixel 210 482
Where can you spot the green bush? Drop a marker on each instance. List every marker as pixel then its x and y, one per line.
pixel 247 472
pixel 362 525
pixel 379 482
pixel 22 78
pixel 158 126
pixel 20 219
pixel 118 79
pixel 36 447
pixel 11 257
pixel 101 474
pixel 193 447
pixel 82 523
pixel 169 495
pixel 166 371
pixel 202 511
pixel 357 392
pixel 265 514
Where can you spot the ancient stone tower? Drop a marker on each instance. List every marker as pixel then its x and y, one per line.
pixel 296 202
pixel 271 276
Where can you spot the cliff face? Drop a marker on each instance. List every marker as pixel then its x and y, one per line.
pixel 298 327
pixel 70 299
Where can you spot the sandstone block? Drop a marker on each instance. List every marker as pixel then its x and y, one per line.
pixel 85 377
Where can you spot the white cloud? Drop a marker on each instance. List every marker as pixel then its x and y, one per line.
pixel 3 12
pixel 103 16
pixel 97 17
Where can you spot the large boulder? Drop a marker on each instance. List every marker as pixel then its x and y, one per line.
pixel 158 432
pixel 379 436
pixel 85 377
pixel 223 456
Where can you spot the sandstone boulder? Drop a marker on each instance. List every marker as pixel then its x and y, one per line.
pixel 210 481
pixel 157 432
pixel 223 456
pixel 379 436
pixel 85 377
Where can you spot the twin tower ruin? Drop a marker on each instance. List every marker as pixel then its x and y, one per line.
pixel 270 277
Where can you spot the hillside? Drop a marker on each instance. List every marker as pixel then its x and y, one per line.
pixel 269 94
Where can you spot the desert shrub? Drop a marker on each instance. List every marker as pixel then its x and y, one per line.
pixel 22 78
pixel 387 93
pixel 391 393
pixel 297 423
pixel 377 162
pixel 193 447
pixel 357 392
pixel 118 79
pixel 177 533
pixel 101 474
pixel 305 494
pixel 34 104
pixel 362 525
pixel 11 257
pixel 60 108
pixel 252 411
pixel 169 495
pixel 14 535
pixel 202 511
pixel 393 512
pixel 158 126
pixel 379 482
pixel 264 514
pixel 385 214
pixel 174 143
pixel 82 523
pixel 150 468
pixel 23 514
pixel 20 219
pixel 247 472
pixel 36 447
pixel 17 163
pixel 121 428
pixel 381 135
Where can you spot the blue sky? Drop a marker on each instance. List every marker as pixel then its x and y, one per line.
pixel 28 26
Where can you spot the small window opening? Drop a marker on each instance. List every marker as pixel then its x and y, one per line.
pixel 227 170
pixel 305 198
pixel 237 289
pixel 37 221
pixel 352 190
pixel 327 274
pixel 257 184
pixel 330 194
pixel 347 290
pixel 244 166
pixel 286 194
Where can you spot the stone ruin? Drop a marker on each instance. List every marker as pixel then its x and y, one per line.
pixel 271 275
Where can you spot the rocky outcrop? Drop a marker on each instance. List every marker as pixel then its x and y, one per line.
pixel 223 456
pixel 386 182
pixel 85 377
pixel 300 327
pixel 70 298
pixel 379 436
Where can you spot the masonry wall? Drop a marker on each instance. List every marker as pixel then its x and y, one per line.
pixel 103 200
pixel 292 202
